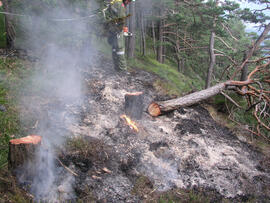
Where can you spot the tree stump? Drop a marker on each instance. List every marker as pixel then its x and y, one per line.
pixel 22 151
pixel 134 105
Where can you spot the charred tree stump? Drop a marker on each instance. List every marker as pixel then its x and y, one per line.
pixel 22 150
pixel 134 105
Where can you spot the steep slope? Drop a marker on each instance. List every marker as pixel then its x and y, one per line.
pixel 110 162
pixel 184 149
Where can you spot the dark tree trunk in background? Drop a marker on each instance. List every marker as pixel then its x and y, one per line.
pixel 183 65
pixel 160 41
pixel 10 32
pixel 132 27
pixel 244 72
pixel 143 40
pixel 178 65
pixel 154 36
pixel 163 53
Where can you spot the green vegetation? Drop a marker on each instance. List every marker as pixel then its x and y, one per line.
pixel 174 82
pixel 12 74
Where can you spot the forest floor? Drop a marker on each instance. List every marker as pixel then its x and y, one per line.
pixel 184 156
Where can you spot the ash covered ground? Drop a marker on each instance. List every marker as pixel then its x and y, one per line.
pixel 183 149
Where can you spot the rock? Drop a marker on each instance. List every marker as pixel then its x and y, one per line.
pixel 3 108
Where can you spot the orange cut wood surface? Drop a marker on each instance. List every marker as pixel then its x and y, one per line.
pixel 134 93
pixel 30 139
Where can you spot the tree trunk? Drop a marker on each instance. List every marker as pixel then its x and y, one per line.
pixel 212 57
pixel 154 36
pixel 249 53
pixel 244 72
pixel 132 25
pixel 212 52
pixel 22 151
pixel 160 40
pixel 182 65
pixel 143 41
pixel 10 31
pixel 159 108
pixel 178 65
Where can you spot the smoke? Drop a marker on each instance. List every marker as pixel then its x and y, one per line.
pixel 63 48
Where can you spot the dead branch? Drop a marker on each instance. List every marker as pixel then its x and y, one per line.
pixel 178 36
pixel 229 47
pixel 258 68
pixel 252 49
pixel 229 98
pixel 229 31
pixel 226 69
pixel 68 169
pixel 259 120
pixel 225 55
pixel 258 60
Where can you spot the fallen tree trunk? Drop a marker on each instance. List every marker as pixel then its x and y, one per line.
pixel 162 107
pixel 22 150
pixel 159 108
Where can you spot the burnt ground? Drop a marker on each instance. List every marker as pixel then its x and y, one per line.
pixel 183 150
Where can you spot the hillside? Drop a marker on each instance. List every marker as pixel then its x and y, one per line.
pixel 182 156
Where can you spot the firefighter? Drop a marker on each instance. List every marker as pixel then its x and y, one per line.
pixel 115 15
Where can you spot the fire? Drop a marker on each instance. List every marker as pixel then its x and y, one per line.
pixel 130 123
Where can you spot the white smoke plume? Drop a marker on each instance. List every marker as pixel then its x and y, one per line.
pixel 62 48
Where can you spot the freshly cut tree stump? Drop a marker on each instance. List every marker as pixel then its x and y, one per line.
pixel 134 105
pixel 22 150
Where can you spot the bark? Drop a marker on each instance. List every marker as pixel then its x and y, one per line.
pixel 162 107
pixel 212 60
pixel 183 65
pixel 212 52
pixel 153 36
pixel 22 151
pixel 160 40
pixel 10 31
pixel 178 65
pixel 159 108
pixel 132 27
pixel 212 56
pixel 143 40
pixel 134 105
pixel 244 72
